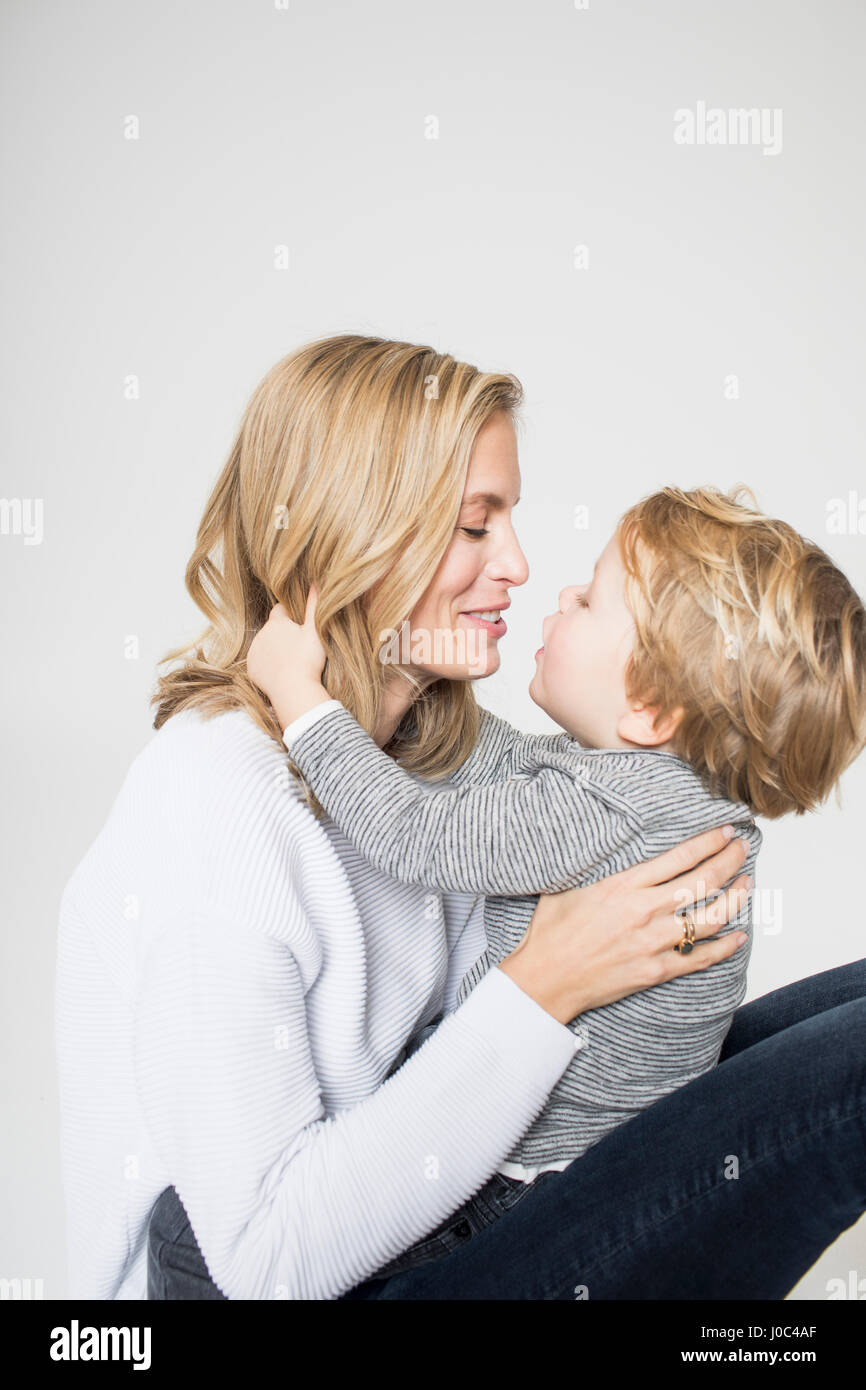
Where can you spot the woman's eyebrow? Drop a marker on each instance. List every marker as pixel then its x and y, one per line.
pixel 491 498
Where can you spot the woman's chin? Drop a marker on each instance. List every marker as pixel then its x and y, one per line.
pixel 478 670
pixel 463 671
pixel 486 667
pixel 478 673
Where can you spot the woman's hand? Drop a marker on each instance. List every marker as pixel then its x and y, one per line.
pixel 286 661
pixel 589 946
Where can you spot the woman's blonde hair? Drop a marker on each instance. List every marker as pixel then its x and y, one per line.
pixel 347 472
pixel 754 632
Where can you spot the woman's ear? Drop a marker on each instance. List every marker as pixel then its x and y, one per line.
pixel 643 725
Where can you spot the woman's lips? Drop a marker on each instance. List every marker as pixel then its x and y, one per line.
pixel 538 653
pixel 497 629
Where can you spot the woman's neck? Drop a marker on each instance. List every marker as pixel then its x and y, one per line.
pixel 397 698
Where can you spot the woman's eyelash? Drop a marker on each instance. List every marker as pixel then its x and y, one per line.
pixel 475 532
pixel 582 600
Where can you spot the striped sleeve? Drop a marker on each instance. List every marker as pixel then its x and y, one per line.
pixel 500 749
pixel 539 832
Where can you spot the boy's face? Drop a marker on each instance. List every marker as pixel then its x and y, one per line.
pixel 580 671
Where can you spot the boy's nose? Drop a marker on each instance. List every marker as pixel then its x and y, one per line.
pixel 567 596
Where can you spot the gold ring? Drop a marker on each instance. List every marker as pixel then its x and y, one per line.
pixel 688 938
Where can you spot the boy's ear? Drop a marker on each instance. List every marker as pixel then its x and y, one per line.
pixel 642 725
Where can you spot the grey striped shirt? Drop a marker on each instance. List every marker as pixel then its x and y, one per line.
pixel 533 813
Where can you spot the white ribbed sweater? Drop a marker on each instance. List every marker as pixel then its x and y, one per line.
pixel 234 985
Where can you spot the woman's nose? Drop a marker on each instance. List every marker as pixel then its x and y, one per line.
pixel 510 565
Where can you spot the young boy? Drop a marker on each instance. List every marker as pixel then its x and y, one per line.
pixel 713 670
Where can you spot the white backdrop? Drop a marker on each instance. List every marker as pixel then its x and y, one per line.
pixel 193 191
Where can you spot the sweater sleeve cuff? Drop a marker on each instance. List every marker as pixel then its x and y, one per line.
pixel 525 1035
pixel 310 716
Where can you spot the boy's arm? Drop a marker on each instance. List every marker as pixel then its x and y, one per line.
pixel 286 660
pixel 541 833
pixel 500 749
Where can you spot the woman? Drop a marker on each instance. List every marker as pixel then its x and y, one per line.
pixel 241 999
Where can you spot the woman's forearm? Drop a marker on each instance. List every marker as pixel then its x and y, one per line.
pixel 284 1200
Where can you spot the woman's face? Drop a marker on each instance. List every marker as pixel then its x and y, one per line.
pixel 448 637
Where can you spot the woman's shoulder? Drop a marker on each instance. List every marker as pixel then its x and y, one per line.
pixel 201 750
pixel 195 728
pixel 205 837
pixel 262 857
pixel 209 799
pixel 221 770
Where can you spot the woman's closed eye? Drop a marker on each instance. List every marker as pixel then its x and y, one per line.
pixel 474 531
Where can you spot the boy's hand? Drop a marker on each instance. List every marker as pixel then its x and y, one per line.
pixel 286 661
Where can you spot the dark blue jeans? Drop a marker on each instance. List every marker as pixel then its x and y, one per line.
pixel 729 1188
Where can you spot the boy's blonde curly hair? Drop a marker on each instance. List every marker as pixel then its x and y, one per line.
pixel 756 635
